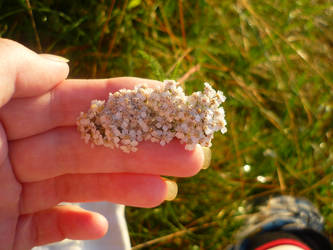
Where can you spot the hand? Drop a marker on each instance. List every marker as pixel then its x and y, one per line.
pixel 43 161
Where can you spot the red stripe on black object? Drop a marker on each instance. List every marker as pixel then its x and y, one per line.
pixel 281 242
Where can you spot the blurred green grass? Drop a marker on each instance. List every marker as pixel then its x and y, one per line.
pixel 272 59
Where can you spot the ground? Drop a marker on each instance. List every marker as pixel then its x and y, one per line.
pixel 272 59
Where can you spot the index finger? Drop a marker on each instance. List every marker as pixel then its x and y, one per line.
pixel 61 106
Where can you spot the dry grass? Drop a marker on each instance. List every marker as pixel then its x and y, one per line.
pixel 272 59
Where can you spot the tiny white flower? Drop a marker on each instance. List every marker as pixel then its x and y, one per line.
pixel 132 133
pixel 126 141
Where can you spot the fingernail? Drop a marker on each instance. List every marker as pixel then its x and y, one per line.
pixel 207 157
pixel 172 189
pixel 55 58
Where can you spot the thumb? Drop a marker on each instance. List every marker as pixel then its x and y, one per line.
pixel 24 73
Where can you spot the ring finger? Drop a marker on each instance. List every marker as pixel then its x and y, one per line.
pixel 128 189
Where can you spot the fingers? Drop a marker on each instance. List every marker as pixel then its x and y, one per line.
pixel 129 189
pixel 24 73
pixel 10 191
pixel 57 224
pixel 62 151
pixel 61 106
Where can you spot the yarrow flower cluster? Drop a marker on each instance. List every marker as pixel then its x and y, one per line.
pixel 158 114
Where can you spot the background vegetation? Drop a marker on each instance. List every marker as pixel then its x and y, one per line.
pixel 273 60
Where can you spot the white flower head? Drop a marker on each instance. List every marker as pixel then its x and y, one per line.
pixel 154 114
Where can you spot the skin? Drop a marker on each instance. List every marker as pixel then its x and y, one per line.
pixel 43 161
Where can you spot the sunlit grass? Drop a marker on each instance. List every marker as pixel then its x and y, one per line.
pixel 272 59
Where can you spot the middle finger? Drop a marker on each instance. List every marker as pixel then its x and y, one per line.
pixel 61 151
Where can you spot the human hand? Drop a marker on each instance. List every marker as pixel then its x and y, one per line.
pixel 43 161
